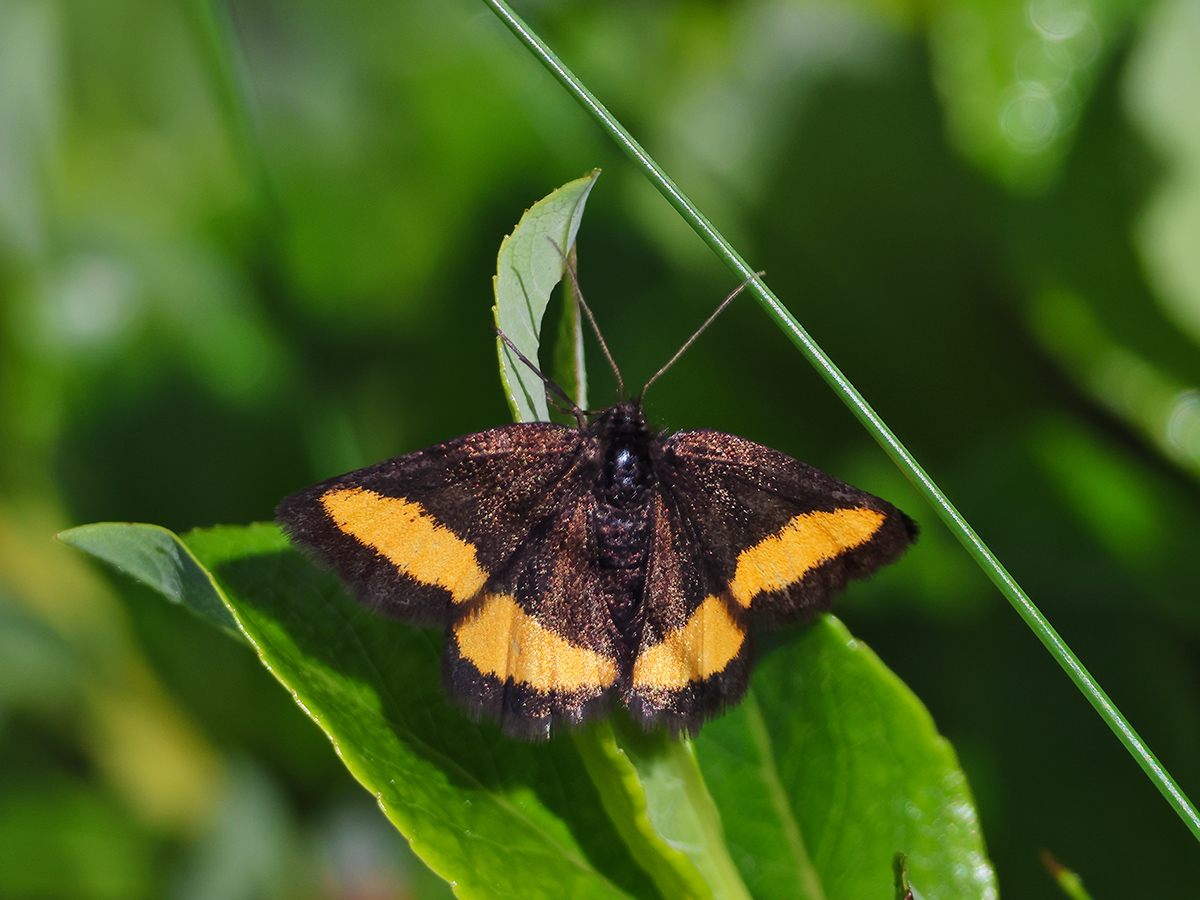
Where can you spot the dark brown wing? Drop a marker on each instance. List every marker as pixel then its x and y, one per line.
pixel 418 536
pixel 783 536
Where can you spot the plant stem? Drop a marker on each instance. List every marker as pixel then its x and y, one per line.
pixel 867 416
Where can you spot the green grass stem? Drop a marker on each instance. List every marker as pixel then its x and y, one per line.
pixel 866 415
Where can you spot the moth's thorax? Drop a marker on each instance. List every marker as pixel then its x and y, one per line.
pixel 626 475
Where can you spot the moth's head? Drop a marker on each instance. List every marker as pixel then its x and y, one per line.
pixel 625 420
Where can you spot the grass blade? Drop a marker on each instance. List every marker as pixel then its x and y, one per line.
pixel 867 416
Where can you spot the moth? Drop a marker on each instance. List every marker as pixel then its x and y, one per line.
pixel 577 567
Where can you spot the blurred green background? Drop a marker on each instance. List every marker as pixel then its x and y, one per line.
pixel 249 245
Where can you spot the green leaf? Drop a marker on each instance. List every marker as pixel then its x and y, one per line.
pixel 829 768
pixel 528 267
pixel 494 817
pixel 654 792
pixel 156 557
pixel 569 368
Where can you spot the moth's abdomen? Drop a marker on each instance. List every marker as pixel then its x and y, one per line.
pixel 622 537
pixel 622 541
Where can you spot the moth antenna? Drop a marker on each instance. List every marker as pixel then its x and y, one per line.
pixel 552 388
pixel 580 302
pixel 678 353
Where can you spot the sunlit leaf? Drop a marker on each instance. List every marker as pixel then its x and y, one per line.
pixel 832 766
pixel 529 266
